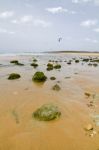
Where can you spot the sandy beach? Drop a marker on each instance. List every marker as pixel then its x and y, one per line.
pixel 20 98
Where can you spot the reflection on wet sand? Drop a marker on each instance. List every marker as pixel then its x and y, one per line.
pixel 20 98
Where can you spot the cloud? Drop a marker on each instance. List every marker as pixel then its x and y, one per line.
pixel 91 40
pixel 96 2
pixel 96 30
pixel 6 14
pixel 42 23
pixel 28 19
pixel 72 12
pixel 56 10
pixel 24 19
pixel 89 23
pixel 3 30
pixel 81 1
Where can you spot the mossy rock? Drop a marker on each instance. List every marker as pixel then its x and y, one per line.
pixel 39 77
pixel 47 112
pixel 35 60
pixel 95 65
pixel 86 59
pixel 16 62
pixel 13 76
pixel 49 65
pixel 19 64
pixel 76 61
pixel 57 66
pixel 56 87
pixel 34 65
pixel 52 78
pixel 49 68
pixel 69 63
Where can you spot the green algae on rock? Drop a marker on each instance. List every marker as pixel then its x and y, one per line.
pixel 16 62
pixel 13 76
pixel 52 78
pixel 34 65
pixel 49 67
pixel 47 112
pixel 39 77
pixel 56 87
pixel 57 66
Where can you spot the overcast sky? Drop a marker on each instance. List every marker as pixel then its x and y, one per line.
pixel 36 25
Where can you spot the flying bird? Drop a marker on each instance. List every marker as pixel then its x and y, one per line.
pixel 59 39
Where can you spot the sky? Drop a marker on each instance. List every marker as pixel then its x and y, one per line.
pixel 36 25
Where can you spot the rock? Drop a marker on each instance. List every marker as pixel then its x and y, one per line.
pixel 13 76
pixel 34 65
pixel 47 112
pixel 87 94
pixel 93 134
pixel 39 77
pixel 16 62
pixel 56 87
pixel 52 78
pixel 57 66
pixel 89 127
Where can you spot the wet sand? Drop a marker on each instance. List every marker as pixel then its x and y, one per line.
pixel 20 98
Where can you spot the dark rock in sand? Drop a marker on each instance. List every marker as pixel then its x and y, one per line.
pixel 39 77
pixel 14 76
pixel 47 112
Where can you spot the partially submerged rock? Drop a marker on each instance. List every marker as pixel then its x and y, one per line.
pixel 47 112
pixel 52 78
pixel 49 67
pixel 56 87
pixel 57 66
pixel 13 76
pixel 16 62
pixel 34 65
pixel 76 61
pixel 35 60
pixel 95 65
pixel 39 77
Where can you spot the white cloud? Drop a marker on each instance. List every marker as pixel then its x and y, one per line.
pixel 96 2
pixel 91 40
pixel 42 23
pixel 81 1
pixel 96 30
pixel 28 19
pixel 6 14
pixel 56 10
pixel 89 23
pixel 24 19
pixel 72 12
pixel 3 30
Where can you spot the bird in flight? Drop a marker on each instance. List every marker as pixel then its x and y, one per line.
pixel 59 39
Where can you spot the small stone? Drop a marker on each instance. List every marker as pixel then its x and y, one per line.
pixel 87 94
pixel 56 87
pixel 88 127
